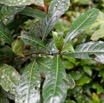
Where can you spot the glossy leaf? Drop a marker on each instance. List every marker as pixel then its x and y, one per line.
pixel 56 9
pixel 55 88
pixel 31 39
pixel 98 34
pixel 89 50
pixel 28 90
pixel 58 40
pixel 9 78
pixel 21 3
pixel 81 23
pixel 44 65
pixel 18 47
pixel 28 11
pixel 5 33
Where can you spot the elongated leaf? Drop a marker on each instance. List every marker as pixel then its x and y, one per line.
pixel 28 89
pixel 9 78
pixel 83 22
pixel 30 39
pixel 20 3
pixel 5 33
pixel 54 88
pixel 56 9
pixel 28 11
pixel 90 50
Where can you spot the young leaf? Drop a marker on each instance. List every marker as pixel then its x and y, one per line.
pixel 98 34
pixel 21 3
pixel 89 50
pixel 81 23
pixel 56 9
pixel 18 47
pixel 58 40
pixel 9 78
pixel 55 88
pixel 5 33
pixel 28 90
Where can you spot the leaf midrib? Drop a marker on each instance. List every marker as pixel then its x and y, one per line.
pixel 55 86
pixel 68 35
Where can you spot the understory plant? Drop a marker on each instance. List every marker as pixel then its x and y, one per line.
pixel 31 57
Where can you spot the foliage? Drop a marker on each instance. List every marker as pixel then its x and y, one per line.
pixel 43 60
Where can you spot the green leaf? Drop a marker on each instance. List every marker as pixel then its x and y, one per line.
pixel 58 40
pixel 81 23
pixel 44 65
pixel 7 11
pixel 21 3
pixel 18 47
pixel 98 87
pixel 9 78
pixel 88 70
pixel 89 50
pixel 28 90
pixel 3 98
pixel 28 11
pixel 56 9
pixel 31 39
pixel 70 82
pixel 6 53
pixel 98 34
pixel 84 80
pixel 54 87
pixel 5 33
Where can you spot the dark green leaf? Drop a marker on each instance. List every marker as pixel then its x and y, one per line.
pixel 5 33
pixel 3 98
pixel 28 11
pixel 6 53
pixel 9 78
pixel 28 90
pixel 82 23
pixel 56 9
pixel 7 11
pixel 55 88
pixel 31 39
pixel 44 65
